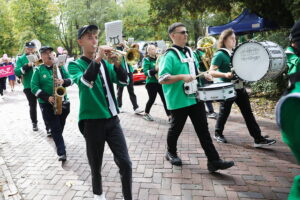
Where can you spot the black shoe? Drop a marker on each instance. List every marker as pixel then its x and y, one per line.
pixel 49 133
pixel 35 127
pixel 173 159
pixel 213 166
pixel 220 138
pixel 62 157
pixel 263 142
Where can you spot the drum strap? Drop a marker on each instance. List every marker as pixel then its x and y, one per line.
pixel 226 51
pixel 189 59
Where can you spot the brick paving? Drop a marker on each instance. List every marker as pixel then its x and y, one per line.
pixel 29 168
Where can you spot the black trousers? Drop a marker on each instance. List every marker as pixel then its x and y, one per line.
pixel 56 123
pixel 96 132
pixel 32 101
pixel 198 117
pixel 130 91
pixel 242 100
pixel 2 85
pixel 153 89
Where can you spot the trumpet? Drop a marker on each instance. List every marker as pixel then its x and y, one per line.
pixel 131 55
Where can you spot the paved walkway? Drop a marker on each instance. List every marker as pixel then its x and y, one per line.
pixel 29 168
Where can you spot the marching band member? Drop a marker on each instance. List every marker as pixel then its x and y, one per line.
pixel 42 87
pixel 152 85
pixel 198 55
pixel 130 87
pixel 220 69
pixel 287 114
pixel 25 69
pixel 173 73
pixel 98 113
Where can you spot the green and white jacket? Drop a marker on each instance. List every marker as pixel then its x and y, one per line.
pixel 22 69
pixel 42 82
pixel 96 92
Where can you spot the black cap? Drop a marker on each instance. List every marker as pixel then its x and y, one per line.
pixel 85 28
pixel 45 48
pixel 295 32
pixel 172 27
pixel 30 45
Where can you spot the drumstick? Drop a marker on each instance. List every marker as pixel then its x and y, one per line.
pixel 201 74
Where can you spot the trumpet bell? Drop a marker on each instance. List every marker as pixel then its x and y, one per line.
pixel 133 56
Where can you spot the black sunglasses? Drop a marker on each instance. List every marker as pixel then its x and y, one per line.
pixel 183 32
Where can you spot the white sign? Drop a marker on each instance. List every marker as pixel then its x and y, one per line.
pixel 113 31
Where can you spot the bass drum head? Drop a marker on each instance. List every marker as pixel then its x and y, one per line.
pixel 250 61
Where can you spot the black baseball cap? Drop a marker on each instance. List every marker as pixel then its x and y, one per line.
pixel 45 48
pixel 86 28
pixel 30 45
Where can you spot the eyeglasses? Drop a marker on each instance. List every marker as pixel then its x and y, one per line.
pixel 183 32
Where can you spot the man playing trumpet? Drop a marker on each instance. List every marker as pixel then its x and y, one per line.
pixel 98 113
pixel 42 86
pixel 25 68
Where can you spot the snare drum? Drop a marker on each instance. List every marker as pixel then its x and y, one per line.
pixel 216 92
pixel 254 61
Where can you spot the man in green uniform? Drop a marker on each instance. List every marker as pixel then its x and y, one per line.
pixel 42 87
pixel 98 112
pixel 287 111
pixel 25 69
pixel 177 67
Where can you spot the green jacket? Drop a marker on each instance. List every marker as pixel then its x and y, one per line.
pixel 93 99
pixel 42 81
pixel 27 75
pixel 174 93
pixel 148 64
pixel 293 61
pixel 222 60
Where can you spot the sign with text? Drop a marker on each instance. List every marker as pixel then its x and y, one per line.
pixel 6 71
pixel 113 32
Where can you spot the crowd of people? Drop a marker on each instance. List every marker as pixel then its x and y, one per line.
pixel 99 68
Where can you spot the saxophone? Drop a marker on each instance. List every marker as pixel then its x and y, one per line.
pixel 58 92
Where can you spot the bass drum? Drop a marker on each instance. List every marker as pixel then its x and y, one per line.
pixel 254 61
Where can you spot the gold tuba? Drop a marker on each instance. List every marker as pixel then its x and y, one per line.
pixel 58 92
pixel 208 45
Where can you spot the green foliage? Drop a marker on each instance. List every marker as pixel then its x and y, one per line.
pixel 33 19
pixel 273 88
pixel 6 36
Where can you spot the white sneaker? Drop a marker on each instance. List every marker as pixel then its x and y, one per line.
pixel 99 197
pixel 138 111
